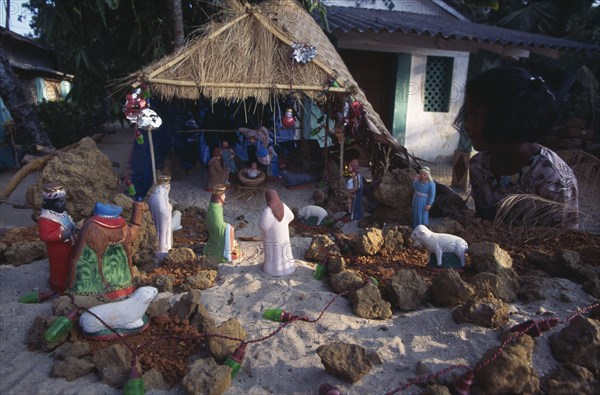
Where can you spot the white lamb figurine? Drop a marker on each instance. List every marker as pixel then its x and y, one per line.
pixel 313 211
pixel 439 243
pixel 124 314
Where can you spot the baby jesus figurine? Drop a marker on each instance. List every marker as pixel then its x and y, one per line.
pixel 252 171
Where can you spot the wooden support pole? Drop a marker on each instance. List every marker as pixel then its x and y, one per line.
pixel 240 85
pixel 342 156
pixel 152 155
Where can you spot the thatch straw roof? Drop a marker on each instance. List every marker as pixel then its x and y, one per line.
pixel 247 53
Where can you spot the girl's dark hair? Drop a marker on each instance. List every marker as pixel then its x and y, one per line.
pixel 517 106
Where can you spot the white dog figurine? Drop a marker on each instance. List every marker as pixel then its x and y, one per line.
pixel 439 243
pixel 313 211
pixel 124 314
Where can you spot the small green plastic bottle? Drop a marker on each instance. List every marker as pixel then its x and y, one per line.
pixel 277 314
pixel 234 361
pixel 320 271
pixel 139 137
pixel 60 327
pixel 131 188
pixel 135 384
pixel 36 296
pixel 373 280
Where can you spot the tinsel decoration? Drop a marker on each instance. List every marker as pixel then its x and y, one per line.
pixel 148 119
pixel 303 52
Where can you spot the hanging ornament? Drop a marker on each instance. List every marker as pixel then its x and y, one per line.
pixel 139 137
pixel 303 52
pixel 148 119
pixel 135 102
pixel 133 105
pixel 146 94
pixel 130 187
pixel 288 121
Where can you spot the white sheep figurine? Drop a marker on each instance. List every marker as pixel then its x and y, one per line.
pixel 439 243
pixel 307 212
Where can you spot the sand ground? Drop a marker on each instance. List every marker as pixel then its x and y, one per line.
pixel 286 363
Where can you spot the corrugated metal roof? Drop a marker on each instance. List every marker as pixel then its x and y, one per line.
pixel 347 19
pixel 30 67
pixel 17 37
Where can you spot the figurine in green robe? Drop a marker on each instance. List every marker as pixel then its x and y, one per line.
pixel 221 245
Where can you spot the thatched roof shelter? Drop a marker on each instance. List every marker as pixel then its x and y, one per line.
pixel 247 52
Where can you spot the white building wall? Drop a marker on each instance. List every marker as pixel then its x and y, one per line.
pixel 430 135
pixel 414 6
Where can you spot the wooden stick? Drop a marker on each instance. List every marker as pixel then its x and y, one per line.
pixel 33 165
pixel 36 164
pixel 17 205
pixel 152 155
pixel 284 87
pixel 342 157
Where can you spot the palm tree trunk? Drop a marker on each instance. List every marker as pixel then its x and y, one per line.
pixel 177 15
pixel 27 125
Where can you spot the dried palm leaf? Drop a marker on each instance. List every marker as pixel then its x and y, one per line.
pixel 521 214
pixel 586 168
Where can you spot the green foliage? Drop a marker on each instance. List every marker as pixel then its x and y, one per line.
pixel 66 123
pixel 317 7
pixel 557 18
pixel 104 40
pixel 572 77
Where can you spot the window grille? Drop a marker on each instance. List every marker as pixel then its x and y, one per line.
pixel 438 83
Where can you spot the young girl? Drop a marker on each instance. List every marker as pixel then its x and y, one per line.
pixel 423 198
pixel 505 111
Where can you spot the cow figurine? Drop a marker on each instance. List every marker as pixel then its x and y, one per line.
pixel 439 243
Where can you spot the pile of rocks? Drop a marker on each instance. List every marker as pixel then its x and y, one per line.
pixel 574 134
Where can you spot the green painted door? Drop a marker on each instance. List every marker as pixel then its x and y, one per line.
pixel 403 61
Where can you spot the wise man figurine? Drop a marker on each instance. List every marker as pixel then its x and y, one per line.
pixel 57 230
pixel 101 265
pixel 165 219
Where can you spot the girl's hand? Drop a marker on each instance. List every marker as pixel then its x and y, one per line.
pixel 427 207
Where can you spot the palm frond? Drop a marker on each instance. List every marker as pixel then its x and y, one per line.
pixel 587 171
pixel 521 214
pixel 586 168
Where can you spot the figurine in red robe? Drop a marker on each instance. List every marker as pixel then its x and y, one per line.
pixel 57 229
